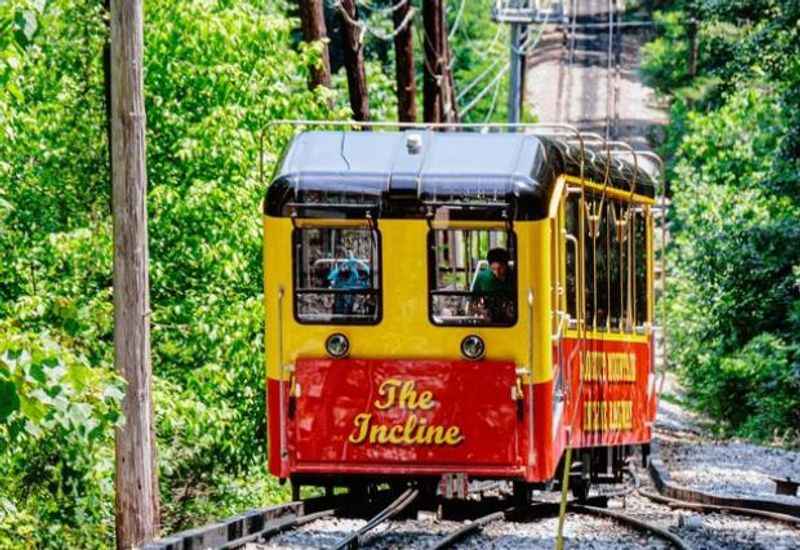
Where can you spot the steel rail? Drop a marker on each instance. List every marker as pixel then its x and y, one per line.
pixel 661 479
pixel 530 512
pixel 736 510
pixel 282 525
pixel 354 540
pixel 631 522
pixel 467 529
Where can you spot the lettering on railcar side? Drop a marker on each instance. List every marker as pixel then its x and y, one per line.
pixel 600 366
pixel 413 430
pixel 607 416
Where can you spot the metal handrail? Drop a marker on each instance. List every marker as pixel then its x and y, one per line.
pixel 663 260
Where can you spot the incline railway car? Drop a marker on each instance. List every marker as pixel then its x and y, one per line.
pixel 459 305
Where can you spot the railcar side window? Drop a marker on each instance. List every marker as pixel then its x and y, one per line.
pixel 616 245
pixel 602 268
pixel 640 280
pixel 337 275
pixel 571 220
pixel 472 277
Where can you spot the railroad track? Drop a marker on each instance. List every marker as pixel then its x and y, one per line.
pixel 269 527
pixel 261 527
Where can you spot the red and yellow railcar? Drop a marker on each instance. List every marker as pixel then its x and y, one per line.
pixel 396 352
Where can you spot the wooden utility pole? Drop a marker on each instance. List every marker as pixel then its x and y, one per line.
pixel 450 106
pixel 432 85
pixel 137 496
pixel 312 21
pixel 438 88
pixel 354 60
pixel 404 66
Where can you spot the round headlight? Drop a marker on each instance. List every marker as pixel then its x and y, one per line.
pixel 472 347
pixel 337 345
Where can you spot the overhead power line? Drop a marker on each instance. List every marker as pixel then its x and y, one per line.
pixel 486 90
pixel 478 78
pixel 390 9
pixel 529 43
pixel 457 22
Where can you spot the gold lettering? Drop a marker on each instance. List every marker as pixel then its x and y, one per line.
pixel 361 422
pixel 419 438
pixel 425 400
pixel 603 416
pixel 389 390
pixel 396 434
pixel 435 435
pixel 377 434
pixel 408 396
pixel 414 430
pixel 608 367
pixel 408 429
pixel 453 436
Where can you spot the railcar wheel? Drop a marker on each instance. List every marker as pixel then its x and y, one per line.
pixel 522 493
pixel 580 488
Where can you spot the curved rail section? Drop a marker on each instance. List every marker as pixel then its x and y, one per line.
pixel 662 481
pixel 249 526
pixel 539 510
pixel 467 529
pixel 750 512
pixel 631 522
pixel 355 539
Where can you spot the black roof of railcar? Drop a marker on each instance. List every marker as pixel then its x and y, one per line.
pixel 337 174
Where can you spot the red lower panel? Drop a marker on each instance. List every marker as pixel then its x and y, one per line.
pixel 401 417
pixel 609 398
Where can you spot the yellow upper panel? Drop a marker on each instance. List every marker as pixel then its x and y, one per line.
pixel 405 330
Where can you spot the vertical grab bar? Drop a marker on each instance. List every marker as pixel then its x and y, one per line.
pixel 531 452
pixel 284 451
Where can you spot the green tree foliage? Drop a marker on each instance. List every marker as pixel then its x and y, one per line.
pixel 733 162
pixel 479 47
pixel 215 74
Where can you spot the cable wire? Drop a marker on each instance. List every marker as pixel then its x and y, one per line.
pixel 457 22
pixel 528 45
pixel 412 12
pixel 486 90
pixel 390 9
pixel 495 96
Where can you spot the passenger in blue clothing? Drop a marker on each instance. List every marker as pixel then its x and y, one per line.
pixel 347 275
pixel 495 287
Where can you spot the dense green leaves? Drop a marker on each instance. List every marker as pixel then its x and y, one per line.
pixel 215 74
pixel 733 161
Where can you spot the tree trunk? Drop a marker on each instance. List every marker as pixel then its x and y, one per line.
pixel 432 15
pixel 137 496
pixel 693 47
pixel 354 62
pixel 312 20
pixel 404 67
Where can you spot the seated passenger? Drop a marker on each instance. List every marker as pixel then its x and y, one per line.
pixel 496 287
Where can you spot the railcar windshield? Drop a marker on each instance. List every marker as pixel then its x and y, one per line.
pixel 337 275
pixel 472 277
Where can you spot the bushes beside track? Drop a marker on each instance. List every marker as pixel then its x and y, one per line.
pixel 215 73
pixel 733 151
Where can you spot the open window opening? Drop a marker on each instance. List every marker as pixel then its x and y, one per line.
pixel 337 275
pixel 472 277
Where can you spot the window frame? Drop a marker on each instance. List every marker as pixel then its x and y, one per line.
pixel 296 238
pixel 432 267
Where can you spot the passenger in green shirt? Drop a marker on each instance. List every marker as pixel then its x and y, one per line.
pixel 496 285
